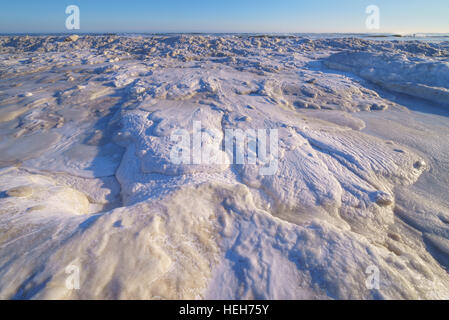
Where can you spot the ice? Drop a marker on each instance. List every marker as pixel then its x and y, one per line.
pixel 87 178
pixel 419 77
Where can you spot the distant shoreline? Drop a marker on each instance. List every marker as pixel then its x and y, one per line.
pixel 422 37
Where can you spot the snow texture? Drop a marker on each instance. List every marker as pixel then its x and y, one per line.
pixel 86 177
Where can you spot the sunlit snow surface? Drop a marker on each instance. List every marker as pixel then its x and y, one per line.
pixel 86 178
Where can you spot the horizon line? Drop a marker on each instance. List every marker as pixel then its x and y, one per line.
pixel 399 34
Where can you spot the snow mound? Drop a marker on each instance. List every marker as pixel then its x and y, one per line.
pixel 418 77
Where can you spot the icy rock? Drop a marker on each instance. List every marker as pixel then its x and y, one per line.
pixel 72 38
pixel 419 164
pixel 378 107
pixel 20 192
pixel 384 199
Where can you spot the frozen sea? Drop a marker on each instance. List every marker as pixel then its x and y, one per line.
pixel 348 200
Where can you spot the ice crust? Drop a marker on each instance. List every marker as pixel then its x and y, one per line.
pixel 86 177
pixel 415 76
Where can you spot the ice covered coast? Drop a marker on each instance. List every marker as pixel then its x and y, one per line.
pixel 88 188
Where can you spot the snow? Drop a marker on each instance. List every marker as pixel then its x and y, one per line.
pixel 87 177
pixel 418 77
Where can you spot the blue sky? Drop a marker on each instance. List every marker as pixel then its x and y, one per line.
pixel 397 16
